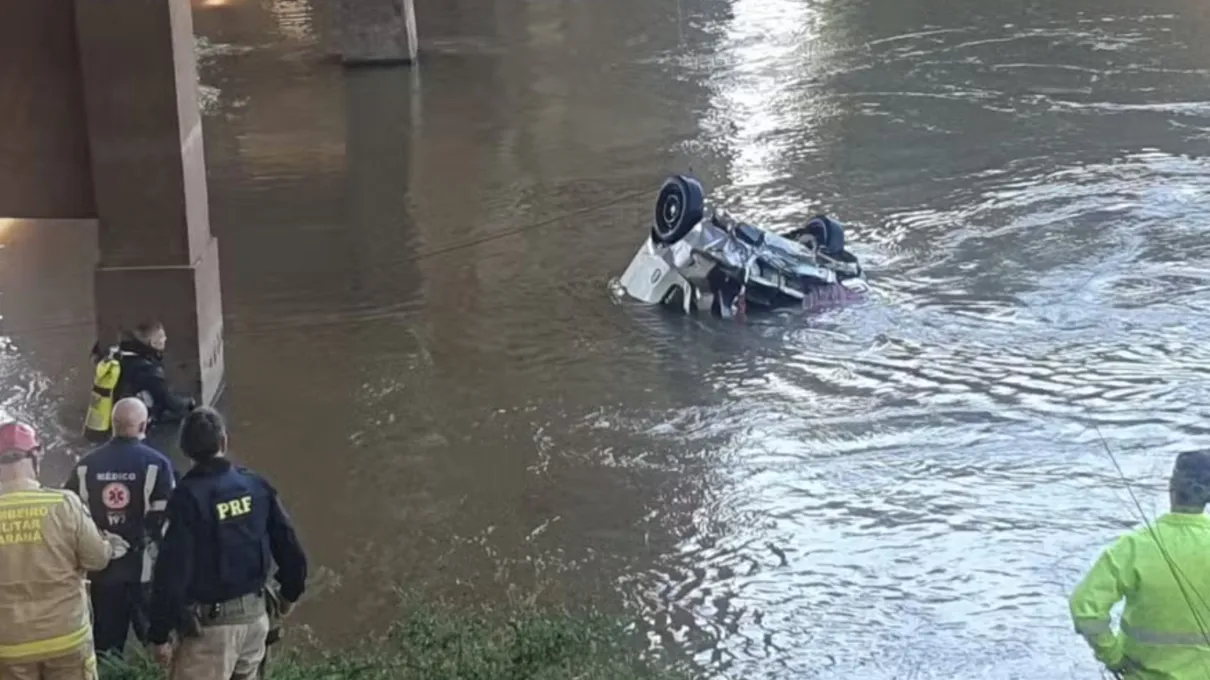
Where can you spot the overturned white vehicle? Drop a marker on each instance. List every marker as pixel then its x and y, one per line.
pixel 697 262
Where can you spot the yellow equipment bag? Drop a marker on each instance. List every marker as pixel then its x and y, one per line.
pixel 100 405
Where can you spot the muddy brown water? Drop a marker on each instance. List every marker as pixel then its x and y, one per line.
pixel 424 355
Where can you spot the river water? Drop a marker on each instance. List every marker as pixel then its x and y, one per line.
pixel 424 355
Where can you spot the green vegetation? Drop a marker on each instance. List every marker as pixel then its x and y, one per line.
pixel 433 641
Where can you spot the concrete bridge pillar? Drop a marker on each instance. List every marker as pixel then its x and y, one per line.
pixel 157 256
pixel 378 31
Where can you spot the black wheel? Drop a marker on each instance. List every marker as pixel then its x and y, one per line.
pixel 678 209
pixel 849 258
pixel 822 233
pixel 675 297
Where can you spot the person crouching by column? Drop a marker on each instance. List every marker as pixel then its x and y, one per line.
pixel 126 485
pixel 142 359
pixel 46 538
pixel 225 522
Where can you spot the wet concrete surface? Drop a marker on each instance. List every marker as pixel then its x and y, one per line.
pixel 424 356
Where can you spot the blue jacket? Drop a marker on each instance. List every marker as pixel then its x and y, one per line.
pixel 126 485
pixel 225 523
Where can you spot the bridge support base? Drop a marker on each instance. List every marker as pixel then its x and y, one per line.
pixel 158 259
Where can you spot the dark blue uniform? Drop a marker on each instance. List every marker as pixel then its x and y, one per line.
pixel 126 486
pixel 226 527
pixel 142 376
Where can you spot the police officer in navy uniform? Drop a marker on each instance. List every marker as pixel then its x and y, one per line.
pixel 126 485
pixel 226 526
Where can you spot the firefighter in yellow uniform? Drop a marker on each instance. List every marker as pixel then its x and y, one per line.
pixel 47 543
pixel 1163 572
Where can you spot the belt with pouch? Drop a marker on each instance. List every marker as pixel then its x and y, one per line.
pixel 241 610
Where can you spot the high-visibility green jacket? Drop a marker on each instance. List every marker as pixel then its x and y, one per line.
pixel 1165 629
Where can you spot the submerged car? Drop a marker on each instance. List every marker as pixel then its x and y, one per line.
pixel 698 261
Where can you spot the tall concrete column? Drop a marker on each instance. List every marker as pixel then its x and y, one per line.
pixel 157 256
pixel 377 31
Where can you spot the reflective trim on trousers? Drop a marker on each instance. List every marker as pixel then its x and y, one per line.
pixel 149 479
pixel 150 553
pixel 46 648
pixel 1163 638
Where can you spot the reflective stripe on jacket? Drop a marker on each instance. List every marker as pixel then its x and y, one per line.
pixel 47 542
pixel 126 485
pixel 1165 629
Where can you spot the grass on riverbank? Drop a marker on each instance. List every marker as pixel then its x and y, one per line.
pixel 438 642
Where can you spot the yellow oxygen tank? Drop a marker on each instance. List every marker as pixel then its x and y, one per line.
pixel 100 404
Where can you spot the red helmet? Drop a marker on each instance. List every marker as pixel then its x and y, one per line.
pixel 17 438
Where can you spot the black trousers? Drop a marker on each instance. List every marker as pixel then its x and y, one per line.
pixel 117 607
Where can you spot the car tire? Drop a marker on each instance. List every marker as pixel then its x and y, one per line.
pixel 675 297
pixel 678 209
pixel 827 234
